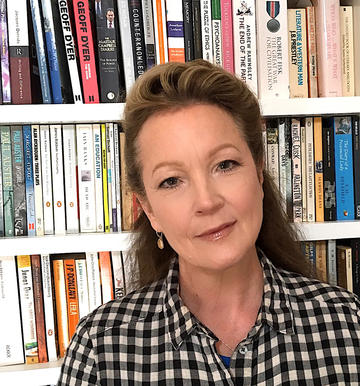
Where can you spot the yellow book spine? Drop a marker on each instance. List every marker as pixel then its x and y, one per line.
pixel 319 176
pixel 104 176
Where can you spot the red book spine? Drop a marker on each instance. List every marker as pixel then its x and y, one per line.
pixel 85 45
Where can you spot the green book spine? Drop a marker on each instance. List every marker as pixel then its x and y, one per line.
pixel 8 192
pixel 215 10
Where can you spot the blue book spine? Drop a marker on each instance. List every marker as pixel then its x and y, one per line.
pixel 344 178
pixel 29 180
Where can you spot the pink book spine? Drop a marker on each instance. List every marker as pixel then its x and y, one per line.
pixel 227 35
pixel 328 48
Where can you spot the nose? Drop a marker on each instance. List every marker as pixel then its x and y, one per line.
pixel 207 196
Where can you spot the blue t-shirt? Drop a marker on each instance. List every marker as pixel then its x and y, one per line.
pixel 226 360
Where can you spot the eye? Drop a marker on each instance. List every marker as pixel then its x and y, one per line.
pixel 227 165
pixel 169 183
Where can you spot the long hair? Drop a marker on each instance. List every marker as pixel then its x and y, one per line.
pixel 173 86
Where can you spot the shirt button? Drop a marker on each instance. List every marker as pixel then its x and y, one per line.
pixel 243 350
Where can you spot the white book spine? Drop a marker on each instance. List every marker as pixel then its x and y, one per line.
pixel 118 273
pixel 217 41
pixel 206 32
pixel 117 175
pixel 93 277
pixel 303 172
pixel 245 42
pixel 82 286
pixel 331 262
pixel 160 31
pixel 71 197
pixel 11 345
pixel 282 162
pixel 84 139
pixel 175 29
pixel 48 307
pixel 70 50
pixel 349 270
pixel 310 182
pixel 113 179
pixel 17 16
pixel 126 44
pixel 48 206
pixel 98 178
pixel 58 178
pixel 39 214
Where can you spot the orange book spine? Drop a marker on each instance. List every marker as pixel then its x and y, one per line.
pixel 39 308
pixel 159 4
pixel 319 174
pixel 107 284
pixel 71 295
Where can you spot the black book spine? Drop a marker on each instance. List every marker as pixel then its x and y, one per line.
pixel 329 170
pixel 188 30
pixel 137 36
pixel 196 19
pixel 356 163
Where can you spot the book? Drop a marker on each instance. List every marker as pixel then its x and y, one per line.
pixel 98 178
pixel 26 294
pixel 196 24
pixel 39 307
pixel 20 222
pixel 296 170
pixel 118 273
pixel 20 79
pixel 188 30
pixel 117 175
pixel 175 31
pixel 2 230
pixel 272 43
pixel 57 168
pixel 149 33
pixel 4 55
pixel 206 31
pixel 161 47
pixel 328 48
pixel 93 277
pixel 104 178
pixel 71 295
pixel 347 51
pixel 82 287
pixel 318 169
pixel 107 287
pixel 356 35
pixel 321 263
pixel 7 181
pixel 227 35
pixel 309 250
pixel 356 165
pixel 303 170
pixel 310 179
pixel 216 31
pixel 331 262
pixel 39 216
pixel 344 168
pixel 111 178
pixel 272 141
pixel 311 52
pixel 244 30
pixel 344 267
pixel 11 344
pixel 71 54
pixel 46 179
pixel 355 255
pixel 298 75
pixel 70 178
pixel 85 45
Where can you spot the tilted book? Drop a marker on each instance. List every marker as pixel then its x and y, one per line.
pixel 39 215
pixel 175 31
pixel 4 54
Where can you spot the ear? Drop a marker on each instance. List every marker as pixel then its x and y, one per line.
pixel 149 213
pixel 260 172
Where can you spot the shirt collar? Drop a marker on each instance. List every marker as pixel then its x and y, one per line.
pixel 276 308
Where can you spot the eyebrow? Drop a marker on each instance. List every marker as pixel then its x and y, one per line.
pixel 211 153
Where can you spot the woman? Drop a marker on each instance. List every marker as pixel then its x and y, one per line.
pixel 223 296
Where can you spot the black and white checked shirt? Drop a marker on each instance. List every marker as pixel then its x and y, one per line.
pixel 307 333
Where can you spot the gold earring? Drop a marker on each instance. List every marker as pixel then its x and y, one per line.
pixel 160 242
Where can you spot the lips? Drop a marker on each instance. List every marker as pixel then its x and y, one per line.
pixel 218 232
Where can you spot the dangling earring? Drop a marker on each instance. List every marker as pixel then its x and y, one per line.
pixel 160 242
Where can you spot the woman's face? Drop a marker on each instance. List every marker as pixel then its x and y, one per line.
pixel 203 189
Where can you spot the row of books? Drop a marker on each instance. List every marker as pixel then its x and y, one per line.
pixel 337 261
pixel 53 292
pixel 57 179
pixel 315 162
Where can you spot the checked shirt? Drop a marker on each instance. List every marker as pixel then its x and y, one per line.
pixel 307 333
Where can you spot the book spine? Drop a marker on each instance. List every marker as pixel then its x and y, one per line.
pixel 111 176
pixel 70 179
pixel 227 35
pixel 57 168
pixel 98 178
pixel 311 53
pixel 296 170
pixel 216 31
pixel 149 33
pixel 328 48
pixel 86 51
pixel 331 262
pixel 206 31
pixel 118 272
pixel 355 253
pixel 344 168
pixel 11 345
pixel 86 178
pixel 309 154
pixel 188 30
pixel 349 270
pixel 7 180
pixel 40 51
pixel 297 39
pixel 303 171
pixel 319 170
pixel 39 216
pixel 107 286
pixel 19 52
pixel 2 229
pixel 4 54
pixel 82 286
pixel 39 308
pixel 26 294
pixel 46 180
pixel 196 22
pixel 245 42
pixel 117 174
pixel 175 31
pixel 93 277
pixel 273 149
pixel 356 158
pixel 160 31
pixel 321 263
pixel 20 224
pixel 126 44
pixel 71 56
pixel 104 177
pixel 347 51
pixel 71 295
pixel 283 159
pixel 341 266
pixel 272 37
pixel 48 307
pixel 126 195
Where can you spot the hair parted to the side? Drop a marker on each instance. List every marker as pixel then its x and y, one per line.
pixel 177 85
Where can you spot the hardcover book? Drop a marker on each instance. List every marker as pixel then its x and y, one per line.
pixel 175 31
pixel 4 55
